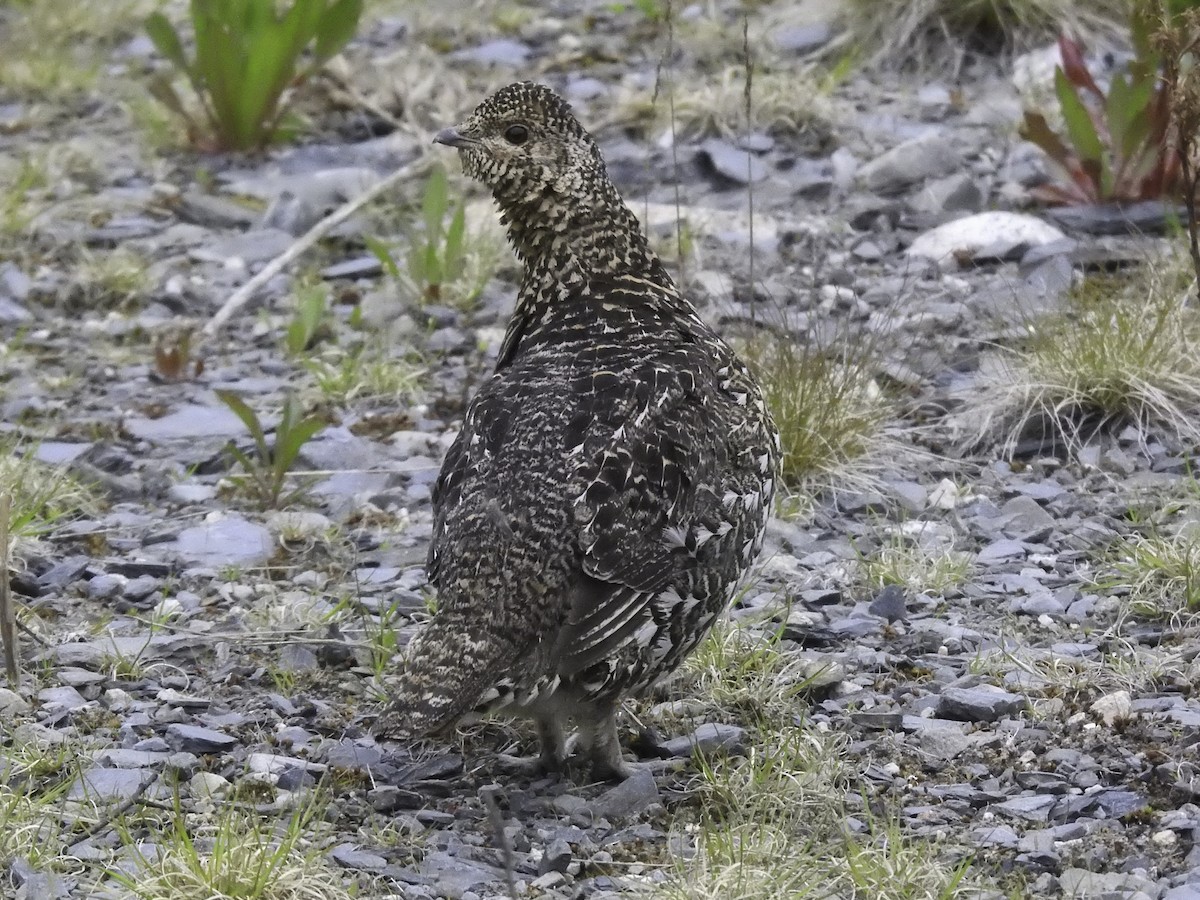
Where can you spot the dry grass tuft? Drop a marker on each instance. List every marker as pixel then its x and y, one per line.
pixel 916 566
pixel 1125 349
pixel 247 856
pixel 41 494
pixel 910 33
pixel 832 417
pixel 786 103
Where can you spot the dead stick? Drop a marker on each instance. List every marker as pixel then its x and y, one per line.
pixel 8 615
pixel 113 814
pixel 242 295
pixel 496 818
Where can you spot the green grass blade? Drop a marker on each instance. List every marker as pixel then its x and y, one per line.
pixel 1082 131
pixel 338 25
pixel 166 41
pixel 383 253
pixel 249 418
pixel 434 203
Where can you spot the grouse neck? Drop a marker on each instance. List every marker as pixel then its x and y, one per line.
pixel 564 239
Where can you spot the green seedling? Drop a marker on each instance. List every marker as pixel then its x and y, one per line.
pixel 308 321
pixel 267 471
pixel 248 56
pixel 438 254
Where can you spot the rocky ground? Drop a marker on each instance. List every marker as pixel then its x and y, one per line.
pixel 1000 701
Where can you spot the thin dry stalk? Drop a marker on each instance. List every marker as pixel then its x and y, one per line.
pixel 1178 40
pixel 242 295
pixel 8 615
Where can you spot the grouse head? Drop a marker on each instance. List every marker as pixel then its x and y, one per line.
pixel 525 144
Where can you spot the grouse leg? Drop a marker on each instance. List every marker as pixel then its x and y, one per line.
pixel 598 738
pixel 552 756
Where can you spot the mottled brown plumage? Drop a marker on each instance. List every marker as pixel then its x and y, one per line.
pixel 610 483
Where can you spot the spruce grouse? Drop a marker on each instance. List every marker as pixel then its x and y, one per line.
pixel 611 481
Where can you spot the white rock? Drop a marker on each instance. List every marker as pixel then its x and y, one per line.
pixel 1165 838
pixel 944 496
pixel 1114 707
pixel 995 231
pixel 208 784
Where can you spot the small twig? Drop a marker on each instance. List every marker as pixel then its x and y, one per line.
pixel 506 852
pixel 242 295
pixel 748 98
pixel 8 615
pixel 26 630
pixel 114 813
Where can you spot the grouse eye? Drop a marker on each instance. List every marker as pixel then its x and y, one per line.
pixel 516 134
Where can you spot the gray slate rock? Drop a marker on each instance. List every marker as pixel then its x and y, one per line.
pixel 453 876
pixel 500 52
pixel 351 856
pixel 197 739
pixel 232 541
pixel 959 192
pixel 556 857
pixel 628 798
pixel 1147 217
pixel 802 39
pixel 711 737
pixel 927 156
pixel 100 785
pixel 732 164
pixel 187 423
pixel 890 603
pixel 978 704
pixel 1032 808
pixel 32 884
pixel 987 235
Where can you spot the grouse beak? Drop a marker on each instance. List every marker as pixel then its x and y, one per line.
pixel 452 137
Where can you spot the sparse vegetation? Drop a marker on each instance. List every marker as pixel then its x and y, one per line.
pixel 72 40
pixel 1117 145
pixel 239 855
pixel 17 207
pixel 740 670
pixel 112 280
pixel 911 33
pixel 309 319
pixel 773 824
pixel 1178 39
pixel 267 471
pixel 247 58
pixel 911 564
pixel 830 412
pixel 1125 348
pixel 363 373
pixel 445 263
pixel 1160 574
pixel 42 495
pixel 786 103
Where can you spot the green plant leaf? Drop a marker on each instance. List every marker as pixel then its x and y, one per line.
pixel 249 418
pixel 1037 131
pixel 220 53
pixel 338 25
pixel 292 434
pixel 383 253
pixel 163 91
pixel 166 40
pixel 455 237
pixel 1075 68
pixel 434 203
pixel 1082 132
